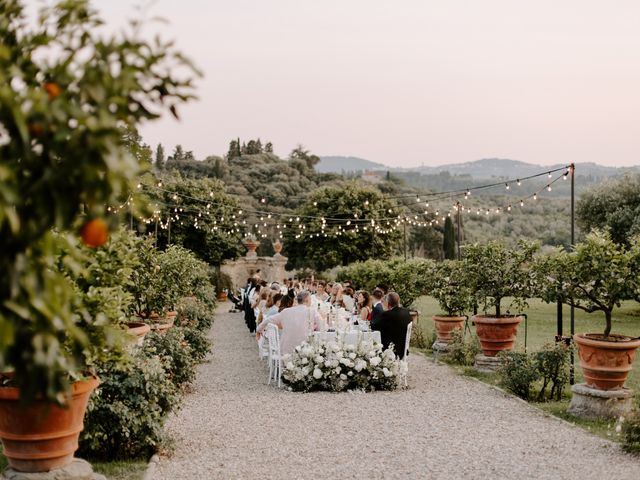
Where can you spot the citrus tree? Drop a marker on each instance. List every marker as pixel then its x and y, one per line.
pixel 495 271
pixel 596 277
pixel 68 91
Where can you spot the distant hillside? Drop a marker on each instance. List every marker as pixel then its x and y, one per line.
pixel 339 164
pixel 485 168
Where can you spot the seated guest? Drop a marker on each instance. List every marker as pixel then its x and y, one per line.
pixel 392 325
pixel 321 293
pixel 348 302
pixel 378 308
pixel 364 305
pixel 336 295
pixel 296 323
pixel 286 301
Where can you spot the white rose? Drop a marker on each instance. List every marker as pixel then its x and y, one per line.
pixel 304 361
pixel 305 371
pixel 289 366
pixel 352 355
pixel 319 359
pixel 317 373
pixel 360 364
pixel 343 376
pixel 338 369
pixel 350 373
pixel 387 372
pixel 388 353
pixel 375 361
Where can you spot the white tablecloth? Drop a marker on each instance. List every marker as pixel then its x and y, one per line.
pixel 348 338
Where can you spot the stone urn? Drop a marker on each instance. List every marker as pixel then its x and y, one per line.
pixel 277 247
pixel 251 245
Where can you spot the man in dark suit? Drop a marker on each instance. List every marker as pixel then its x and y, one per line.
pixel 377 304
pixel 392 325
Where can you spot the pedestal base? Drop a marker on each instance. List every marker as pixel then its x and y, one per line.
pixel 440 347
pixel 486 364
pixel 77 470
pixel 591 403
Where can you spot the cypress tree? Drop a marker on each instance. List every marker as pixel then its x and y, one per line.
pixel 449 241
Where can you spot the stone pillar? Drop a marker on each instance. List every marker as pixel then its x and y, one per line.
pixel 592 403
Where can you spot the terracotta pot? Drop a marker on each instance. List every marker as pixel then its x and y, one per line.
pixel 251 246
pixel 172 314
pixel 445 325
pixel 138 330
pixel 162 327
pixel 606 364
pixel 222 296
pixel 277 246
pixel 42 436
pixel 496 333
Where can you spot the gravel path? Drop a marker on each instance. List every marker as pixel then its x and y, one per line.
pixel 444 426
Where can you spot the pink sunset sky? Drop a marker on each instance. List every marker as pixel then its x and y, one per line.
pixel 408 82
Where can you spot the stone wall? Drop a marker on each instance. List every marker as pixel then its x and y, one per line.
pixel 271 268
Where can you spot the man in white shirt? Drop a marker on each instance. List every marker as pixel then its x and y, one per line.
pixel 296 323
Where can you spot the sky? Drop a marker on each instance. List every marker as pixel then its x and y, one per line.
pixel 408 82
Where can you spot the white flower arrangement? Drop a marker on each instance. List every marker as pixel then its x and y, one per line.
pixel 335 366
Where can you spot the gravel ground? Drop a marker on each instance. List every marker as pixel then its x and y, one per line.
pixel 444 426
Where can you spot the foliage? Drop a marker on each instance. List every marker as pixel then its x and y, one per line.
pixel 597 276
pixel 407 278
pixel 496 271
pixel 222 281
pixel 193 313
pixel 613 205
pixel 552 365
pixel 205 220
pixel 462 351
pixel 517 373
pixel 448 284
pixel 631 433
pixel 175 354
pixel 449 240
pixel 125 416
pixel 67 90
pixel 334 366
pixel 165 276
pixel 196 318
pixel 322 245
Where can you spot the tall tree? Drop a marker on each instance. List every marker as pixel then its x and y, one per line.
pixel 449 240
pixel 301 153
pixel 178 153
pixel 614 205
pixel 160 157
pixel 234 149
pixel 268 148
pixel 357 225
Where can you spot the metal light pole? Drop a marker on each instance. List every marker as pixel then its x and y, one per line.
pixel 572 167
pixel 459 233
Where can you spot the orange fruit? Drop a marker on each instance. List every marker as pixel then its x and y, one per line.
pixel 95 233
pixel 53 89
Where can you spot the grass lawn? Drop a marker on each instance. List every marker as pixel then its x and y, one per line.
pixel 120 470
pixel 541 329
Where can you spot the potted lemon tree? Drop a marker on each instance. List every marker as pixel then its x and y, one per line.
pixel 67 93
pixel 448 284
pixel 596 277
pixel 496 272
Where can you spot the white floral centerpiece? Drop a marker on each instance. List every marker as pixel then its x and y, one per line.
pixel 338 366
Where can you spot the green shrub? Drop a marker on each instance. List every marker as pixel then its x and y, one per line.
pixel 552 364
pixel 175 354
pixel 517 373
pixel 631 433
pixel 125 416
pixel 193 313
pixel 198 342
pixel 463 351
